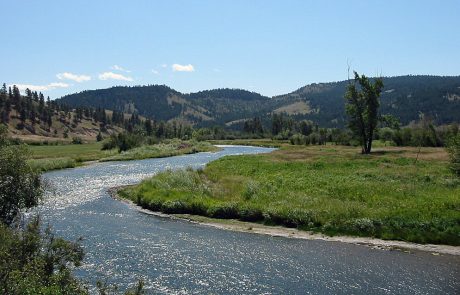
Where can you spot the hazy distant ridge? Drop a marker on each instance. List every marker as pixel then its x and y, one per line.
pixel 404 96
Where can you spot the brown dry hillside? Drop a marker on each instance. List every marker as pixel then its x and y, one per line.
pixel 87 129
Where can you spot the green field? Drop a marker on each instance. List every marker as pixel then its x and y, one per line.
pixel 78 152
pixel 51 157
pixel 162 150
pixel 395 193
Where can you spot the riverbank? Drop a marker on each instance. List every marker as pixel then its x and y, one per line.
pixel 53 157
pixel 279 231
pixel 263 142
pixel 393 194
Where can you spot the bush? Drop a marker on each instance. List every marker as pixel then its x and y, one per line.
pixel 299 139
pixel 224 211
pixel 33 261
pixel 251 214
pixel 123 141
pixel 110 143
pixel 453 148
pixel 20 185
pixel 251 190
pixel 77 140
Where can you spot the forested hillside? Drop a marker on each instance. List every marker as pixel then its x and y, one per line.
pixel 160 102
pixel 405 97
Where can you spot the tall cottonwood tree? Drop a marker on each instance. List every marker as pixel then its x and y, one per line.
pixel 362 106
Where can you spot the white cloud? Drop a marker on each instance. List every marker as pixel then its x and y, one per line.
pixel 164 65
pixel 183 68
pixel 118 68
pixel 49 86
pixel 114 76
pixel 58 85
pixel 73 77
pixel 155 72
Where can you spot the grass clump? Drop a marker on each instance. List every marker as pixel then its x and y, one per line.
pixel 334 191
pixel 49 164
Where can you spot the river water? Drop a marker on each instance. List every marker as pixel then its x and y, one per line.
pixel 123 245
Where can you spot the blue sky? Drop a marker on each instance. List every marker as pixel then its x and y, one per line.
pixel 272 47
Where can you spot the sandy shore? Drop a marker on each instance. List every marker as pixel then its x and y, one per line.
pixel 279 231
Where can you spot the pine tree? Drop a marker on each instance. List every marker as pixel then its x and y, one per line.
pixel 16 95
pixel 148 127
pixel 49 120
pixel 5 114
pixel 3 97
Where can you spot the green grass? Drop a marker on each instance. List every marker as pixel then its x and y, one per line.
pixel 167 149
pixel 78 152
pixel 329 189
pixel 49 164
pixel 52 157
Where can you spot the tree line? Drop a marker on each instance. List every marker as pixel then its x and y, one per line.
pixel 32 106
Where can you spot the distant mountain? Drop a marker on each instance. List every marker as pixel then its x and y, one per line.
pixel 404 96
pixel 159 102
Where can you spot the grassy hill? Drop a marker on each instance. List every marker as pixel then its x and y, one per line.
pixel 87 129
pixel 404 96
pixel 29 117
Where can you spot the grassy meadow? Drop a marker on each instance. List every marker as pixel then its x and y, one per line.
pixel 394 193
pixel 52 157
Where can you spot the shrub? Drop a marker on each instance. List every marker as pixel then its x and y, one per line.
pixel 251 190
pixel 453 148
pixel 77 140
pixel 298 139
pixel 34 261
pixel 251 214
pixel 224 211
pixel 174 207
pixel 99 137
pixel 110 143
pixel 123 141
pixel 363 226
pixel 20 185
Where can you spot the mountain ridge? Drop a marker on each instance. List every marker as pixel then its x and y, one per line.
pixel 406 97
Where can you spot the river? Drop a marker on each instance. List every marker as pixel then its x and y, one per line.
pixel 123 245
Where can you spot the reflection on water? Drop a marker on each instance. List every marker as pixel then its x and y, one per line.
pixel 176 257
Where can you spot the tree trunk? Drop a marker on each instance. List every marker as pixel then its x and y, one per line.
pixel 369 146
